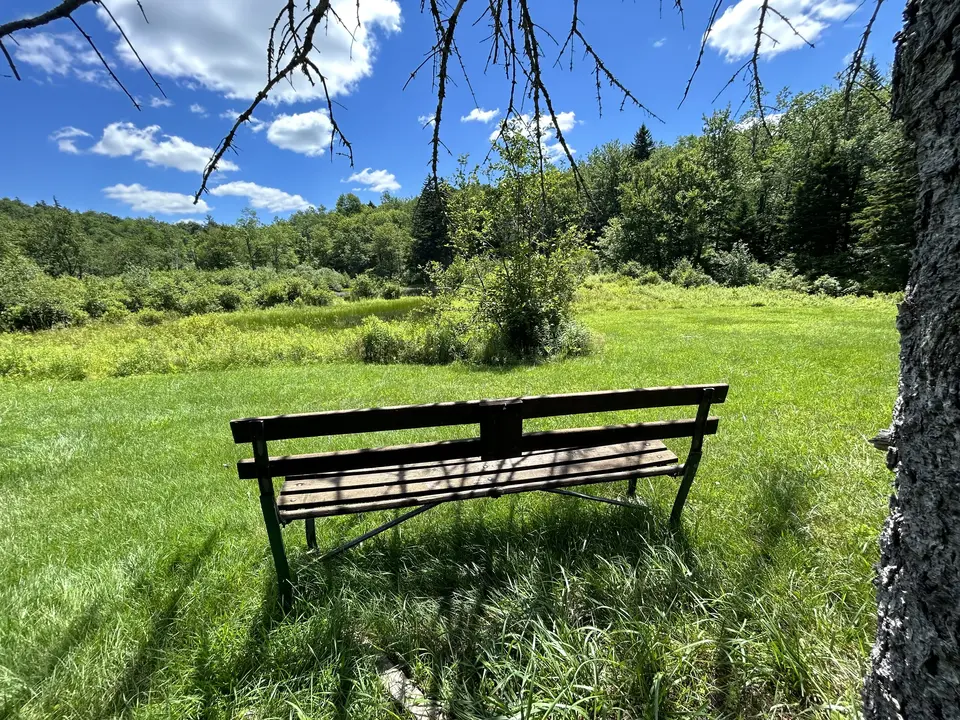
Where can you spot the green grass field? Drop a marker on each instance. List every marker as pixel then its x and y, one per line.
pixel 135 578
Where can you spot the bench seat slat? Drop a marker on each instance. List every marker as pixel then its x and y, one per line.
pixel 326 495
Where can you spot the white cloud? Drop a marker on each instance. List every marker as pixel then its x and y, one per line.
pixel 734 34
pixel 425 120
pixel 155 201
pixel 122 139
pixel 375 180
pixel 255 124
pixel 480 115
pixel 524 125
pixel 156 102
pixel 660 43
pixel 220 44
pixel 55 54
pixel 306 133
pixel 749 122
pixel 65 137
pixel 262 198
pixel 198 109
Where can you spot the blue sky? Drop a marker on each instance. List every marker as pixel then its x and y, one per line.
pixel 68 132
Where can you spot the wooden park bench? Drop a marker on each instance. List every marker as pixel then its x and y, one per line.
pixel 502 460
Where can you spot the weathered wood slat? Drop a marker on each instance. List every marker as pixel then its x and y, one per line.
pixel 405 417
pixel 402 482
pixel 372 477
pixel 367 458
pixel 475 492
pixel 612 434
pixel 612 400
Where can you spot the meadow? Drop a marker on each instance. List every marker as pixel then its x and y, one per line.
pixel 135 579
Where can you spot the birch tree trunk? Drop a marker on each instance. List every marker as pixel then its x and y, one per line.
pixel 915 664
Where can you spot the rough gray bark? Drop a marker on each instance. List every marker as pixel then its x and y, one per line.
pixel 915 663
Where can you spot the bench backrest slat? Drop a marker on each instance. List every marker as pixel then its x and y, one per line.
pixel 406 417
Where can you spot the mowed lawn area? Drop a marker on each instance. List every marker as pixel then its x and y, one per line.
pixel 135 578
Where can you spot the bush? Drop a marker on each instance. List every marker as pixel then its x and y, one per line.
pixel 684 274
pixel 200 300
pixel 230 298
pixel 381 342
pixel 782 278
pixel 40 302
pixel 318 297
pixel 150 317
pixel 365 286
pixel 576 340
pixel 738 267
pixel 826 285
pixel 391 290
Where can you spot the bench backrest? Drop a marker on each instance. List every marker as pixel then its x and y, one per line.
pixel 500 421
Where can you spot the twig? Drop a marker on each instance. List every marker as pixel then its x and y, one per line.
pixel 103 60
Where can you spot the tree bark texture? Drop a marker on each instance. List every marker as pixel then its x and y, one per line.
pixel 915 664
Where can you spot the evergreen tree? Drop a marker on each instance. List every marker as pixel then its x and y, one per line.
pixel 642 144
pixel 431 227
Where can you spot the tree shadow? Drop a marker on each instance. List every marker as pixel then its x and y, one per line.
pixel 163 591
pixel 779 503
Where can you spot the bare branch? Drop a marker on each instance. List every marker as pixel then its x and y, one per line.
pixel 130 45
pixel 56 13
pixel 789 25
pixel 703 47
pixel 104 61
pixel 10 61
pixel 856 63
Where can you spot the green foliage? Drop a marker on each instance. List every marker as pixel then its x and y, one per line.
pixel 431 228
pixel 642 147
pixel 783 278
pixel 365 286
pixel 826 285
pixel 737 267
pixel 685 274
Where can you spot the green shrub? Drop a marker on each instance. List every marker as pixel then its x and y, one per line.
pixel 365 286
pixel 782 278
pixel 381 342
pixel 826 285
pixel 43 302
pixel 684 274
pixel 576 340
pixel 200 300
pixel 318 297
pixel 230 298
pixel 391 290
pixel 149 317
pixel 738 267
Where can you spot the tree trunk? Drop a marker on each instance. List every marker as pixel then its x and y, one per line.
pixel 915 663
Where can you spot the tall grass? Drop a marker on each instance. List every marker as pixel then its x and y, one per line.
pixel 135 579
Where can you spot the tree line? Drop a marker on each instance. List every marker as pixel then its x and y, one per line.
pixel 821 195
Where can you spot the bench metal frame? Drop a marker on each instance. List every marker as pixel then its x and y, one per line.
pixel 501 437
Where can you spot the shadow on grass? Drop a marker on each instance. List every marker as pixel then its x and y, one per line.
pixel 779 503
pixel 453 571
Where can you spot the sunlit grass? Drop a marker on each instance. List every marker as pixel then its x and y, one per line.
pixel 136 579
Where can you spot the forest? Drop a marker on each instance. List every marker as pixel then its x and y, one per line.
pixel 818 197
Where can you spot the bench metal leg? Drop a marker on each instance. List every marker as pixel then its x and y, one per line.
pixel 377 530
pixel 274 535
pixel 310 528
pixel 689 472
pixel 596 498
pixel 631 487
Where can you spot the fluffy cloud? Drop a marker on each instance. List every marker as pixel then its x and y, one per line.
pixel 62 55
pixel 660 43
pixel 157 102
pixel 425 120
pixel 155 201
pixel 734 34
pixel 524 125
pixel 65 137
pixel 480 115
pixel 121 139
pixel 54 54
pixel 375 180
pixel 306 133
pixel 198 109
pixel 262 198
pixel 220 44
